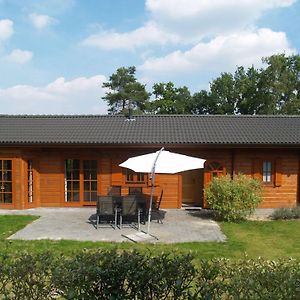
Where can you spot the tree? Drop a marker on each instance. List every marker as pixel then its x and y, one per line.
pixel 170 100
pixel 280 83
pixel 247 89
pixel 274 89
pixel 125 92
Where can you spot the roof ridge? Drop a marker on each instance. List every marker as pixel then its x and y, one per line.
pixel 142 116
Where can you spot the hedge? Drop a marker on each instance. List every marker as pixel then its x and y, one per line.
pixel 110 274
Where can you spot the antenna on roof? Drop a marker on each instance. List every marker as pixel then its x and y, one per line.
pixel 130 116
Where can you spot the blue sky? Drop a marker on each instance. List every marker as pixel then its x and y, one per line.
pixel 55 54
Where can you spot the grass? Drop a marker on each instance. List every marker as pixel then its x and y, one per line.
pixel 268 239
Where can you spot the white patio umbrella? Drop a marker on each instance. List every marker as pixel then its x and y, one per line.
pixel 161 162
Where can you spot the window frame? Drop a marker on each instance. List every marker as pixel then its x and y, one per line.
pixel 276 170
pixel 4 181
pixel 135 175
pixel 83 181
pixel 268 173
pixel 30 182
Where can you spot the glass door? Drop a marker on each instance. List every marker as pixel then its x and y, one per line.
pixel 80 181
pixel 89 180
pixel 72 180
pixel 5 181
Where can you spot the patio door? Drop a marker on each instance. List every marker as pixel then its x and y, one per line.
pixel 80 181
pixel 192 188
pixel 6 194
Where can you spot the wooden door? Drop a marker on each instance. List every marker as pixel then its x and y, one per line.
pixel 192 187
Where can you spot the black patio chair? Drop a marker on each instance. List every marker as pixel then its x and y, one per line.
pixel 130 211
pixel 141 202
pixel 114 190
pixel 106 211
pixel 156 208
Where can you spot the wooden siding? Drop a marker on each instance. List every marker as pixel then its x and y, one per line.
pixel 283 191
pixel 51 180
pixel 48 165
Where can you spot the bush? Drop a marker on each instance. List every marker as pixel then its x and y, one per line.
pixel 133 275
pixel 125 275
pixel 286 213
pixel 248 279
pixel 26 277
pixel 233 199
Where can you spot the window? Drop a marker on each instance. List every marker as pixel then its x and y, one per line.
pixel 135 178
pixel 215 169
pixel 72 180
pixel 30 181
pixel 90 180
pixel 80 180
pixel 267 171
pixel 6 181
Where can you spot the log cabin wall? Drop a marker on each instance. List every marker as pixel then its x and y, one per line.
pixel 49 164
pixel 282 191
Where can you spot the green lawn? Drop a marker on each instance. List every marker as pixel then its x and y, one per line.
pixel 269 239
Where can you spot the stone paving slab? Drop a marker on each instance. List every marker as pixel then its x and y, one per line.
pixel 178 226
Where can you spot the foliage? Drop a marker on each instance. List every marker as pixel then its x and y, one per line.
pixel 233 199
pixel 286 213
pixel 132 275
pixel 270 90
pixel 125 93
pixel 26 276
pixel 273 89
pixel 248 279
pixel 170 100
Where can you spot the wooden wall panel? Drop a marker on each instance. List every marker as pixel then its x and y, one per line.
pixel 105 177
pixel 49 186
pixel 51 180
pixel 18 186
pixel 284 189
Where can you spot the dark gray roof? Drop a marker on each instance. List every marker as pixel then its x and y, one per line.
pixel 150 129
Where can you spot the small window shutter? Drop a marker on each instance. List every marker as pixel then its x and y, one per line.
pixel 257 168
pixel 278 172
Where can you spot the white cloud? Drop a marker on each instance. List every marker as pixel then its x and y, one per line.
pixel 221 54
pixel 187 22
pixel 173 9
pixel 195 19
pixel 20 56
pixel 148 34
pixel 41 21
pixel 6 29
pixel 78 96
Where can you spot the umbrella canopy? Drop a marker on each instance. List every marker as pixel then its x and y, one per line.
pixel 167 163
pixel 162 162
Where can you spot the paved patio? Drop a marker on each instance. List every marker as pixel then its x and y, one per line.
pixel 178 226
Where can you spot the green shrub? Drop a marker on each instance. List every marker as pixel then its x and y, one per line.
pixel 138 276
pixel 248 279
pixel 26 277
pixel 233 199
pixel 286 213
pixel 125 275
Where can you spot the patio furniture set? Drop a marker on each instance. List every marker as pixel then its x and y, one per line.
pixel 119 211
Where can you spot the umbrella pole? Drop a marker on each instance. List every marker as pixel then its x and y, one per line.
pixel 152 189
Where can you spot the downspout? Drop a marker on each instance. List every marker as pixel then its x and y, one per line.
pixel 232 163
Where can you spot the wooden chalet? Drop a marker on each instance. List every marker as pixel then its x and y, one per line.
pixel 66 161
